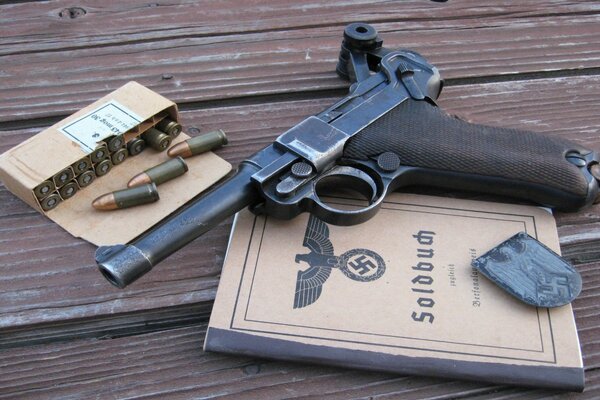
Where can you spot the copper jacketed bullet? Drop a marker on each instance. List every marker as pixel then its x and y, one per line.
pixel 126 198
pixel 199 144
pixel 136 146
pixel 160 173
pixel 169 127
pixel 156 139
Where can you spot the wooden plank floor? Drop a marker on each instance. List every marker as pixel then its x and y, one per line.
pixel 254 69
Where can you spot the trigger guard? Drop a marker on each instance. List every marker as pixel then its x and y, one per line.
pixel 336 216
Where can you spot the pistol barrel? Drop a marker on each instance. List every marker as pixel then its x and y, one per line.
pixel 123 264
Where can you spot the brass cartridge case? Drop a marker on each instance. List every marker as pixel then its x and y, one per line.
pixel 63 177
pixel 160 173
pixel 100 154
pixel 115 143
pixel 119 156
pixel 103 167
pixel 82 165
pixel 136 146
pixel 86 178
pixel 170 127
pixel 50 202
pixel 156 139
pixel 68 190
pixel 126 198
pixel 199 144
pixel 44 189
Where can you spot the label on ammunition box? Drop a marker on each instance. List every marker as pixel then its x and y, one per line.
pixel 111 118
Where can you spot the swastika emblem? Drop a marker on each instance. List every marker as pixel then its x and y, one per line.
pixel 362 265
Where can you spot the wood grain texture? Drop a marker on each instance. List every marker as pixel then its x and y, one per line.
pixel 52 279
pixel 52 66
pixel 254 69
pixel 172 364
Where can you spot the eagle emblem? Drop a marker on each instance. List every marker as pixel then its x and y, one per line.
pixel 361 265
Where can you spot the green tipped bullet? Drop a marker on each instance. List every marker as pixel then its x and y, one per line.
pixel 160 173
pixel 199 144
pixel 119 156
pixel 63 177
pixel 127 198
pixel 136 146
pixel 169 127
pixel 156 139
pixel 50 202
pixel 44 189
pixel 86 178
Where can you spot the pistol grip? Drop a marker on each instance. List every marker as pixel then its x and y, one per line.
pixel 456 154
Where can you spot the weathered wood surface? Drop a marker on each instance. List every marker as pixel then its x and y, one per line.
pixel 213 52
pixel 172 363
pixel 253 70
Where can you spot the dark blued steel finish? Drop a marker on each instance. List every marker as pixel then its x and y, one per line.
pixel 103 167
pixel 161 173
pixel 170 127
pixel 86 178
pixel 68 190
pixel 119 156
pixel 63 177
pixel 100 154
pixel 136 146
pixel 595 171
pixel 44 189
pixel 156 139
pixel 81 166
pixel 50 202
pixel 388 161
pixel 301 170
pixel 390 110
pixel 123 264
pixel 531 272
pixel 115 143
pixel 136 196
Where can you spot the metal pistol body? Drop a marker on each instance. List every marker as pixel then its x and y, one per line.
pixel 386 133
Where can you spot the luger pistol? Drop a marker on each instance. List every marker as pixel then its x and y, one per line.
pixel 386 133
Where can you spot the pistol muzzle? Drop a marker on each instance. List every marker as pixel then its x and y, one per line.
pixel 122 264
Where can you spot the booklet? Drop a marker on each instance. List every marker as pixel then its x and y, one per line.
pixel 396 293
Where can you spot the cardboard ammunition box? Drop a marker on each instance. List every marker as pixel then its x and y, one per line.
pixel 129 110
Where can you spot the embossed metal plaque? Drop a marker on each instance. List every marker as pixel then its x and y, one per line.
pixel 531 272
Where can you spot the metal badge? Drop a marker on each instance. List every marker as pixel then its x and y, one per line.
pixel 531 272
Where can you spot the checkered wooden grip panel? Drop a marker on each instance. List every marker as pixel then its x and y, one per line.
pixel 424 136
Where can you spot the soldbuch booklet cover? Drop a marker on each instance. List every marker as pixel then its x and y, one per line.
pixel 395 294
